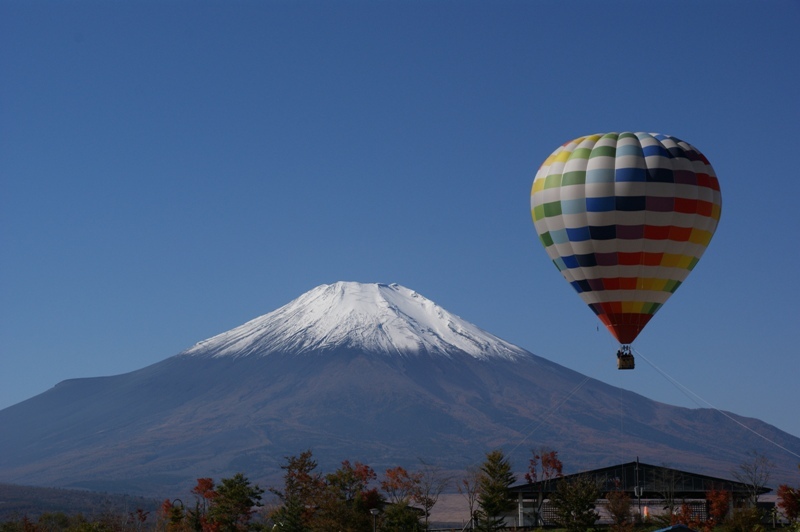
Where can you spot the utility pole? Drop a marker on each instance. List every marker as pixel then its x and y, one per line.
pixel 638 489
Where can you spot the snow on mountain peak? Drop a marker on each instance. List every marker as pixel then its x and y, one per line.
pixel 389 319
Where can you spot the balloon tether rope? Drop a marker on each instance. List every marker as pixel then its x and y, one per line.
pixel 550 413
pixel 689 393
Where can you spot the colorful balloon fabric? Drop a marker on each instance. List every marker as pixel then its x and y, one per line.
pixel 625 217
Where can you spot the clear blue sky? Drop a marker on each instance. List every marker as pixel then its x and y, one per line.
pixel 170 170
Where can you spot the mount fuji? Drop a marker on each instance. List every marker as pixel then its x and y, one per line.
pixel 368 372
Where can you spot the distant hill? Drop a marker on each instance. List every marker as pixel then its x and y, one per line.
pixel 375 373
pixel 28 501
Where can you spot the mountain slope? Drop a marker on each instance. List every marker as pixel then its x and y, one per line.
pixel 287 382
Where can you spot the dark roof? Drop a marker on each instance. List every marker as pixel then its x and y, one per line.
pixel 657 482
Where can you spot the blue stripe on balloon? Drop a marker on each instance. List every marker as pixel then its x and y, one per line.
pixel 659 174
pixel 656 149
pixel 600 175
pixel 603 232
pixel 581 286
pixel 601 204
pixel 586 261
pixel 634 149
pixel 631 203
pixel 570 261
pixel 630 174
pixel 578 234
pixel 677 151
pixel 573 206
pixel 559 236
pixel 579 261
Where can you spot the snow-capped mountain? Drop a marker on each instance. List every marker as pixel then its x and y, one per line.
pixel 374 373
pixel 379 318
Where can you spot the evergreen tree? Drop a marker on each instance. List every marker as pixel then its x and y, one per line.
pixel 400 517
pixel 494 496
pixel 574 504
pixel 232 508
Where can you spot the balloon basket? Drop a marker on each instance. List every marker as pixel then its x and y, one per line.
pixel 625 358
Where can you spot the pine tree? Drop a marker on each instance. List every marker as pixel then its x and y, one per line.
pixel 232 508
pixel 574 504
pixel 494 496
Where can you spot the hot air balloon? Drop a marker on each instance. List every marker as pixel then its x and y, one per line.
pixel 625 217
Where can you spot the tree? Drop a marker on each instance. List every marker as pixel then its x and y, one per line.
pixel 665 483
pixel 432 482
pixel 348 499
pixel 204 497
pixel 469 486
pixel 401 487
pixel 744 520
pixel 233 506
pixel 137 519
pixel 302 489
pixel 399 517
pixel 754 473
pixel 543 467
pixel 574 503
pixel 619 507
pixel 789 501
pixel 172 515
pixel 494 496
pixel 719 503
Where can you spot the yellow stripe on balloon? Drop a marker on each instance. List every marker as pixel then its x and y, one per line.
pixel 632 307
pixel 716 210
pixel 699 236
pixel 562 156
pixel 671 260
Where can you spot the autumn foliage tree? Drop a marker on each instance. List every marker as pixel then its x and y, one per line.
pixel 228 507
pixel 401 488
pixel 303 487
pixel 348 498
pixel 400 485
pixel 543 467
pixel 204 496
pixel 789 502
pixel 719 503
pixel 619 507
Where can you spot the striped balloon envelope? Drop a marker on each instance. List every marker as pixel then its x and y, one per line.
pixel 625 217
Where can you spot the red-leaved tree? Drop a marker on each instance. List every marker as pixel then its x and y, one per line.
pixel 544 467
pixel 789 502
pixel 719 503
pixel 400 485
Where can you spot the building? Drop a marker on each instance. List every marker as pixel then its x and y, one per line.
pixel 653 490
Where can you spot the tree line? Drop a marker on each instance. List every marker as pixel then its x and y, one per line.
pixel 354 498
